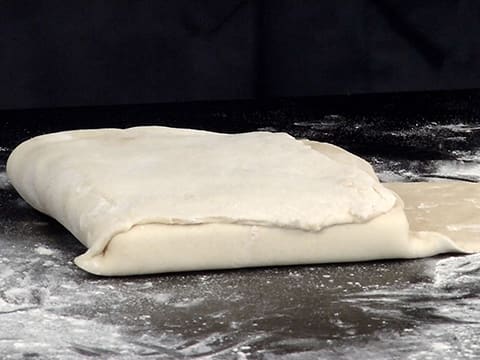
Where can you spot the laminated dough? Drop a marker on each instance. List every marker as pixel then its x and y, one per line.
pixel 157 199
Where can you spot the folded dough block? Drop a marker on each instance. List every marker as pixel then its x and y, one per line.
pixel 157 199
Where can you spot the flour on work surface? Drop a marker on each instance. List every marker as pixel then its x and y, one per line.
pixel 4 183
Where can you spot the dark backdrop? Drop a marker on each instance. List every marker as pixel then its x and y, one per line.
pixel 60 53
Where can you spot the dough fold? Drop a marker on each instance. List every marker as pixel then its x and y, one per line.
pixel 156 199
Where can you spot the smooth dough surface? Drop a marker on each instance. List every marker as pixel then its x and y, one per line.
pixel 449 208
pixel 156 199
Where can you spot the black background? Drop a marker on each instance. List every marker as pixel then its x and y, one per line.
pixel 58 53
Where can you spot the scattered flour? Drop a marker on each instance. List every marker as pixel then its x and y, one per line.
pixel 4 183
pixel 186 302
pixel 451 297
pixel 467 170
pixel 62 313
pixel 44 251
pixel 460 273
pixel 35 321
pixel 162 298
pixel 57 336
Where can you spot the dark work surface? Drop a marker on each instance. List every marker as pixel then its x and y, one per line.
pixel 416 309
pixel 395 122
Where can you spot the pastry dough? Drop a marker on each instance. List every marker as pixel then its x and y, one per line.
pixel 156 199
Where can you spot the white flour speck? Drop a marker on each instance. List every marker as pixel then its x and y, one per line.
pixel 188 303
pixel 44 251
pixel 161 298
pixel 4 183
